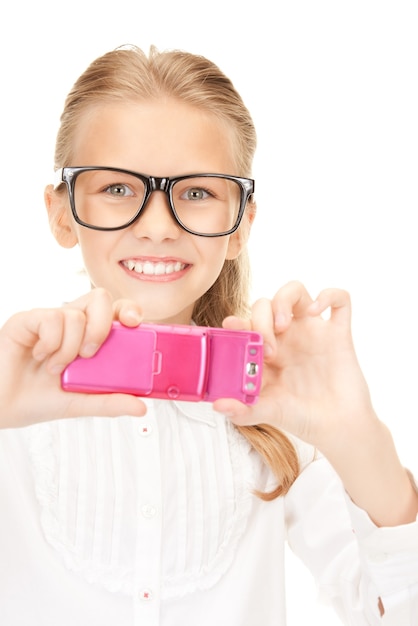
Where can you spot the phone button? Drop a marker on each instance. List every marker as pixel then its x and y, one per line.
pixel 173 392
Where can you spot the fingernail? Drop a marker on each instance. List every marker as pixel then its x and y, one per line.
pixel 280 320
pixel 268 350
pixel 56 369
pixel 227 414
pixel 133 315
pixel 89 349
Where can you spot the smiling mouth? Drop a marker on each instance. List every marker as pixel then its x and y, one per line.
pixel 154 269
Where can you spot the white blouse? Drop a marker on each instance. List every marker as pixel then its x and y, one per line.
pixel 152 521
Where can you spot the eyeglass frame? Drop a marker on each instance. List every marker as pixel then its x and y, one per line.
pixel 68 175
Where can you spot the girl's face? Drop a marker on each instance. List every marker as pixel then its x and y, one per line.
pixel 159 138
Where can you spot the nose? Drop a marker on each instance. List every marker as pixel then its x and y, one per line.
pixel 156 220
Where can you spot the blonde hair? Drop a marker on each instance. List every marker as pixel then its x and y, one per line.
pixel 127 74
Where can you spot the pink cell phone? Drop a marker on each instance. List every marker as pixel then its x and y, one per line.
pixel 172 362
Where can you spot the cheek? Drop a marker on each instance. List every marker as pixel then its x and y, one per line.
pixel 215 253
pixel 95 248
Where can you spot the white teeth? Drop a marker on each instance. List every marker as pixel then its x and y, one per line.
pixel 147 268
pixel 154 269
pixel 160 269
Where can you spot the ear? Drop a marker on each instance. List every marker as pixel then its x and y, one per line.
pixel 239 238
pixel 59 217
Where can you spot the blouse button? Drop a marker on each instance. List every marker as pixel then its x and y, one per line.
pixel 145 595
pixel 148 510
pixel 145 430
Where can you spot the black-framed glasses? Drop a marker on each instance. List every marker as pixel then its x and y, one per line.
pixel 105 198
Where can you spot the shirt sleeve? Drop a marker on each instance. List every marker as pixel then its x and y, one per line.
pixel 358 567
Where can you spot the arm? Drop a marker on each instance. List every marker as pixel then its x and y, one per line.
pixel 362 570
pixel 36 345
pixel 313 388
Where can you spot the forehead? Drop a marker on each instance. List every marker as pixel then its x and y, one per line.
pixel 161 137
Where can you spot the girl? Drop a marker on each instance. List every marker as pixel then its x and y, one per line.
pixel 180 516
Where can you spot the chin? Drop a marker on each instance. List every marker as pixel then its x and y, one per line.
pixel 167 317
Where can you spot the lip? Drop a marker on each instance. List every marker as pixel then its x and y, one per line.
pixel 155 269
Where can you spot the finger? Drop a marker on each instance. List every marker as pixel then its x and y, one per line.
pixel 244 415
pixel 28 330
pixel 103 405
pixel 61 334
pixel 127 312
pixel 52 335
pixel 292 300
pixel 42 330
pixel 97 307
pixel 337 301
pixel 263 322
pixel 233 322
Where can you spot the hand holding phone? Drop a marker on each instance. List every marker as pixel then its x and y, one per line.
pixel 180 362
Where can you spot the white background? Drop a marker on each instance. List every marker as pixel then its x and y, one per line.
pixel 332 87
